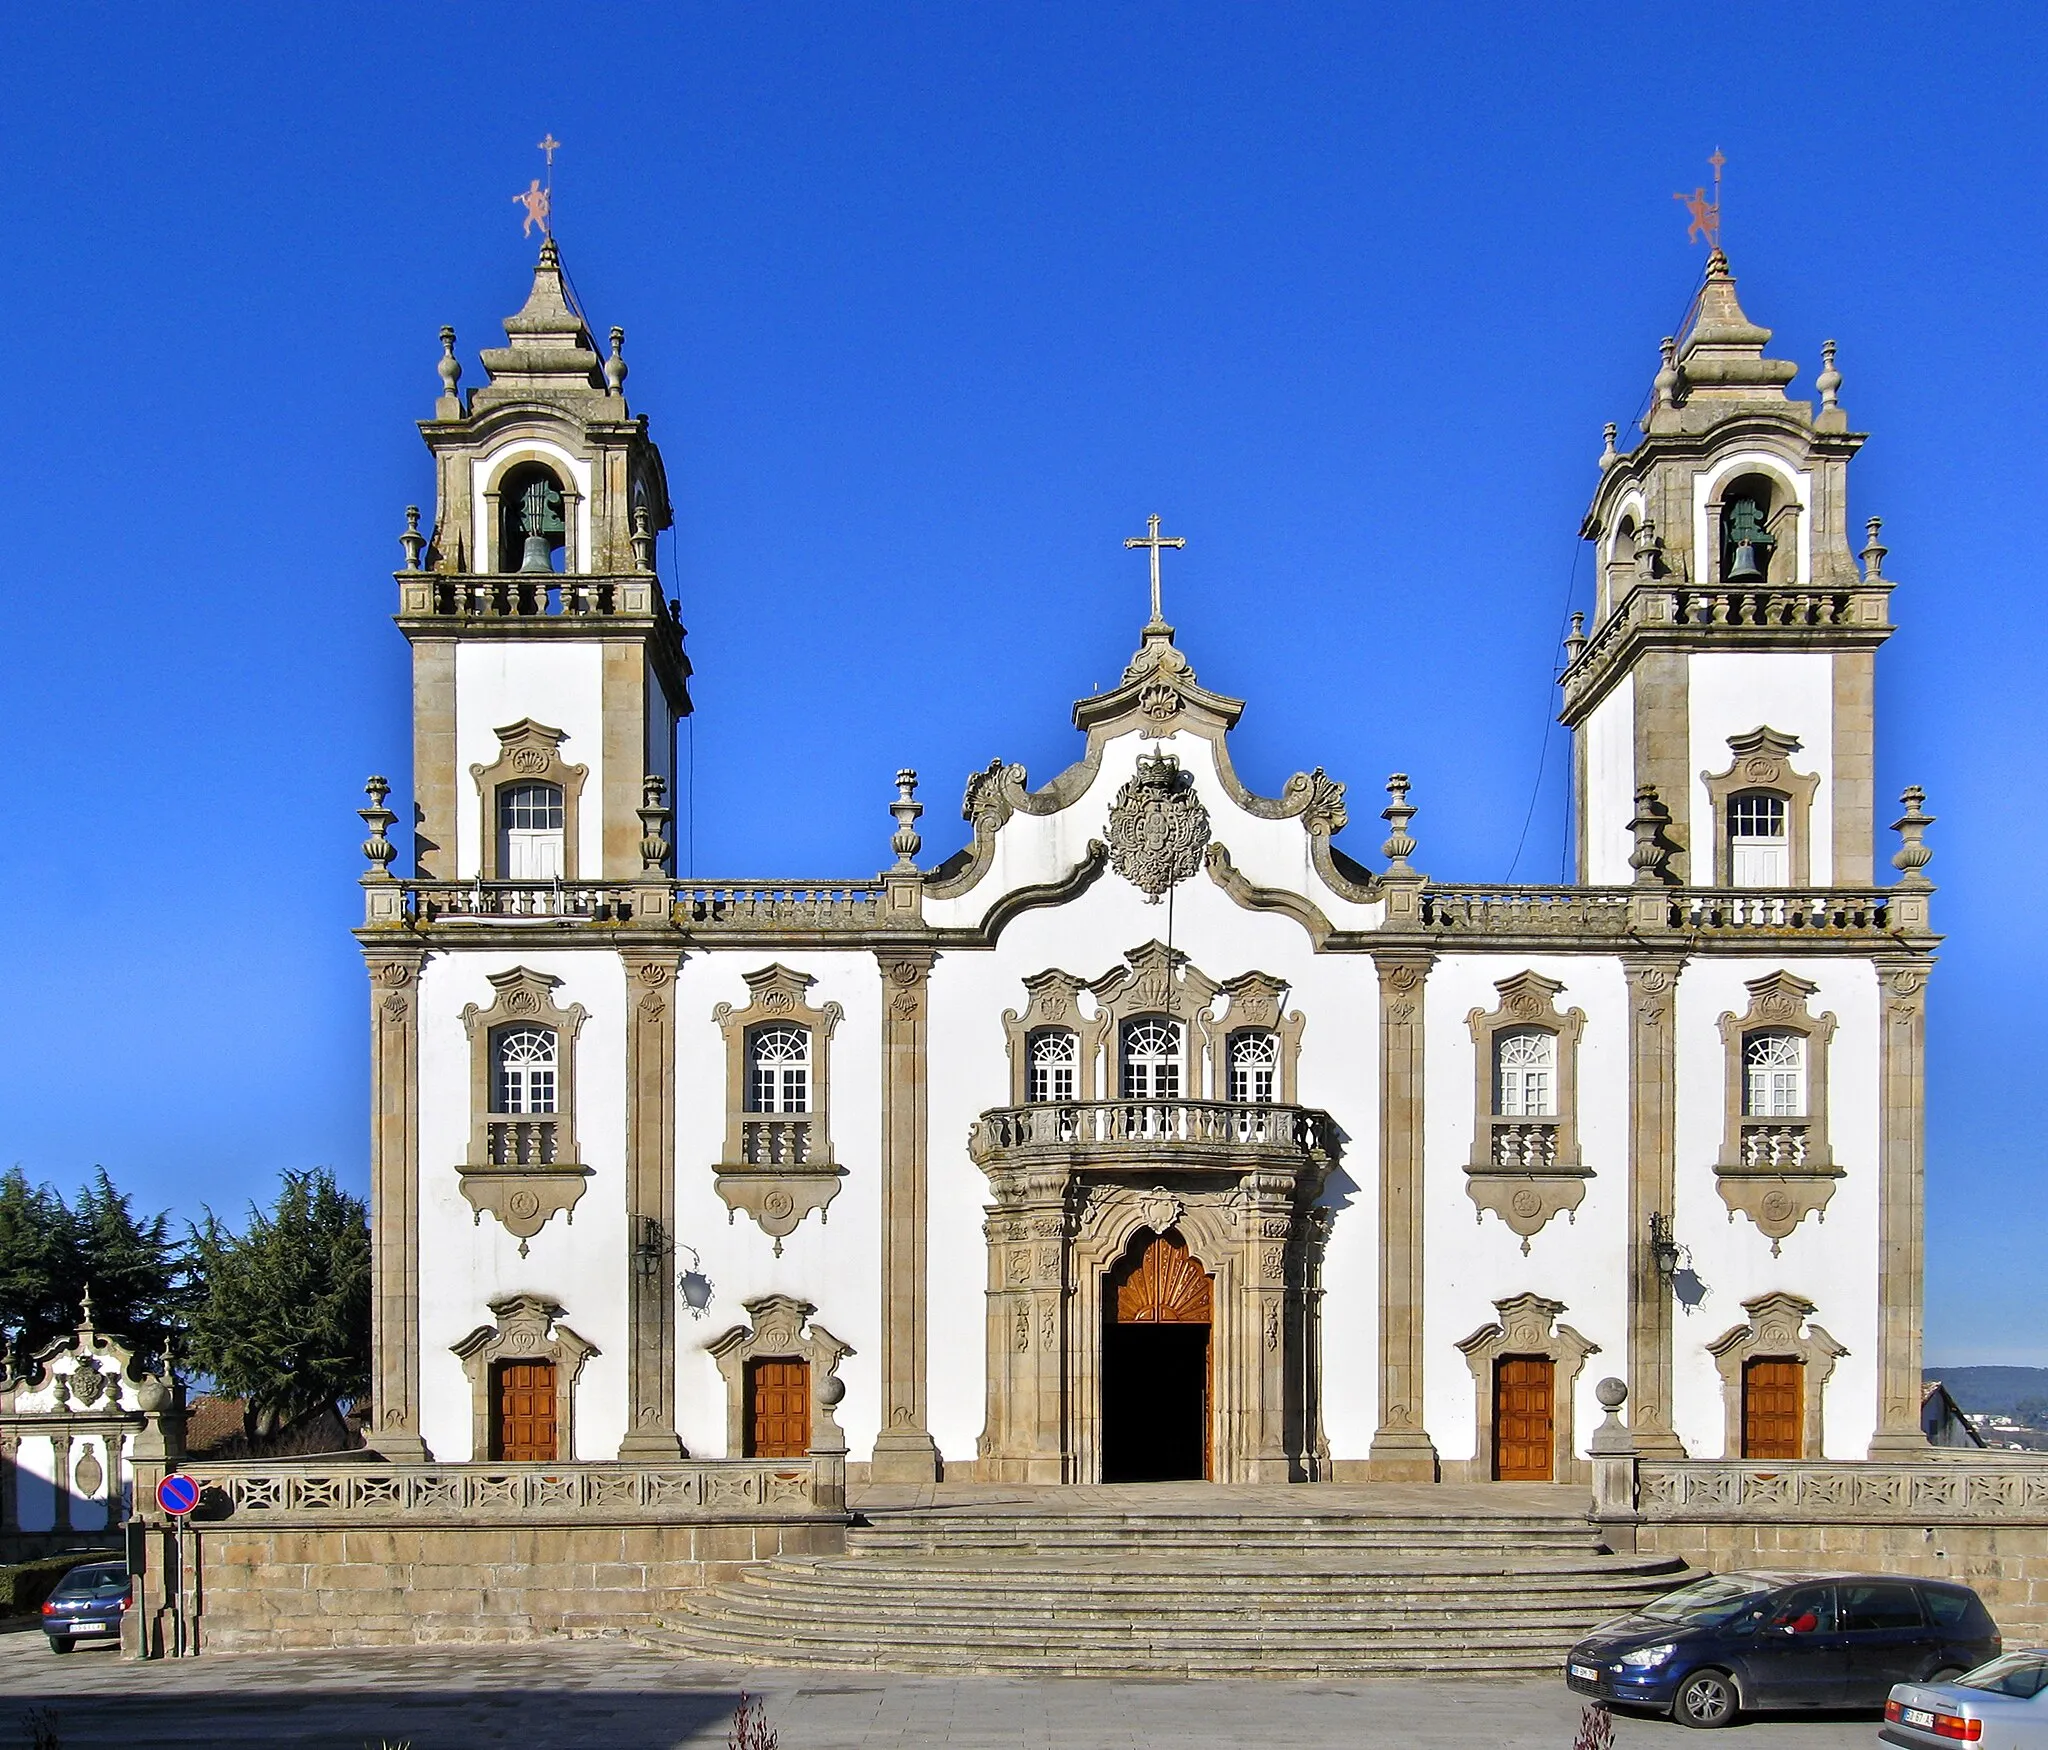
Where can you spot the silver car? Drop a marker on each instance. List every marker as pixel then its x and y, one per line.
pixel 1999 1706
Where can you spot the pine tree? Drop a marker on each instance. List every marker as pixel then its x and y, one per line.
pixel 51 1253
pixel 282 1312
pixel 35 1257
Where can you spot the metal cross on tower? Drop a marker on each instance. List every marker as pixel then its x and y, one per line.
pixel 1153 539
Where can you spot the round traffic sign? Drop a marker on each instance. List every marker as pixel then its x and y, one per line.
pixel 177 1495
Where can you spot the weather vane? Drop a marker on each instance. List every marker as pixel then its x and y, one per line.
pixel 1155 540
pixel 539 198
pixel 1706 214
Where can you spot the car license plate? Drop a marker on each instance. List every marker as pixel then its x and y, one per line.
pixel 90 1628
pixel 1586 1673
pixel 1917 1716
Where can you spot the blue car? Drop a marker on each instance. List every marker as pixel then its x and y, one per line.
pixel 87 1606
pixel 1736 1643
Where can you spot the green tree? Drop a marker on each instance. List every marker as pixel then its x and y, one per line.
pixel 281 1312
pixel 35 1254
pixel 51 1252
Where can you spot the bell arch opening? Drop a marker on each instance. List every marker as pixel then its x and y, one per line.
pixel 532 531
pixel 1158 1312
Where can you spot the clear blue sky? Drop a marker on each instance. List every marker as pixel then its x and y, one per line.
pixel 930 305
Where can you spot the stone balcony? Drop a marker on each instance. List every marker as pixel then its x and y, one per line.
pixel 1156 1136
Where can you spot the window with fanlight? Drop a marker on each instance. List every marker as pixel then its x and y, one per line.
pixel 531 819
pixel 1254 1067
pixel 1759 842
pixel 779 1069
pixel 1055 1066
pixel 526 1064
pixel 1773 1075
pixel 1525 1073
pixel 1153 1048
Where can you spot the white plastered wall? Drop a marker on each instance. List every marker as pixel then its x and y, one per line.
pixel 1579 1258
pixel 834 1263
pixel 1610 799
pixel 558 683
pixel 466 1263
pixel 1831 1263
pixel 1735 691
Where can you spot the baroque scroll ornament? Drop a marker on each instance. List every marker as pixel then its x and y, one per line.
pixel 1158 828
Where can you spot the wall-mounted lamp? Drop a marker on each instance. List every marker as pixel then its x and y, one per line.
pixel 650 1245
pixel 1663 1248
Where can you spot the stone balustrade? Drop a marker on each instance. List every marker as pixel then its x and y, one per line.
pixel 429 902
pixel 739 906
pixel 526 595
pixel 1527 911
pixel 1149 1130
pixel 1944 1486
pixel 1524 1145
pixel 258 1495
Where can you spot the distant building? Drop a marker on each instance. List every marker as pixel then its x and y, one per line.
pixel 1944 1421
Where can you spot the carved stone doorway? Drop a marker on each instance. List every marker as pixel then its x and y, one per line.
pixel 1158 1307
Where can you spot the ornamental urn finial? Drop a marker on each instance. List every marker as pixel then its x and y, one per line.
pixel 412 540
pixel 1829 382
pixel 615 366
pixel 654 816
pixel 1873 550
pixel 1914 853
pixel 1609 455
pixel 378 848
pixel 1399 847
pixel 1651 857
pixel 905 841
pixel 450 368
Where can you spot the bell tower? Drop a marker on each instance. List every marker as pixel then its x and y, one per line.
pixel 548 667
pixel 1730 664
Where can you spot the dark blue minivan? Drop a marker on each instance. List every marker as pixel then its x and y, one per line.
pixel 1736 1642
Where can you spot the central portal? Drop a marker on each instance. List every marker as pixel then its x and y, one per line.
pixel 1155 1364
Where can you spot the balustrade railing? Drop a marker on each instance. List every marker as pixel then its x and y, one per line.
pixel 538 595
pixel 1525 1144
pixel 1574 911
pixel 770 905
pixel 1946 1485
pixel 1769 1143
pixel 775 1140
pixel 1780 606
pixel 1816 909
pixel 1221 1125
pixel 520 1141
pixel 432 901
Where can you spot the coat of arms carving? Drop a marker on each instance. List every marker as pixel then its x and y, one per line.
pixel 1158 828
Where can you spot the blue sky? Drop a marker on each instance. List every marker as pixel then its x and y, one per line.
pixel 930 305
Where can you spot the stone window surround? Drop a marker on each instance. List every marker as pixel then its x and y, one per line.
pixel 781 1328
pixel 1779 1328
pixel 528 752
pixel 523 1197
pixel 525 1327
pixel 778 1196
pixel 1777 1198
pixel 491 473
pixel 1526 1198
pixel 1051 1004
pixel 1162 981
pixel 1760 759
pixel 1790 564
pixel 1528 1326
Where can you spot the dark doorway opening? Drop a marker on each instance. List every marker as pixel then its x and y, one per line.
pixel 1155 1403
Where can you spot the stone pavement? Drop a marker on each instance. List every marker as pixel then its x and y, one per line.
pixel 603 1695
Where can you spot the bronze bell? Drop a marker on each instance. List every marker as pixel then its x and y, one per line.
pixel 1744 570
pixel 539 555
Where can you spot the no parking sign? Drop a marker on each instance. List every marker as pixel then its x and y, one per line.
pixel 177 1495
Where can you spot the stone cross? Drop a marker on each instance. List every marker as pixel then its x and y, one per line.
pixel 1153 539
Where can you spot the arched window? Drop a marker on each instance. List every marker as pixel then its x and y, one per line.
pixel 530 822
pixel 1254 1067
pixel 1055 1066
pixel 531 527
pixel 1525 1073
pixel 524 1065
pixel 1773 1075
pixel 1152 1058
pixel 779 1069
pixel 1746 539
pixel 1759 847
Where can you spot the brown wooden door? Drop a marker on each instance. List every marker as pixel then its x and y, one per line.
pixel 523 1411
pixel 778 1409
pixel 1774 1409
pixel 1524 1429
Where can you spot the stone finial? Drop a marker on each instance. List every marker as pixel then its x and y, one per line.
pixel 378 847
pixel 85 1311
pixel 1873 550
pixel 1576 643
pixel 1609 455
pixel 1651 856
pixel 450 368
pixel 1829 382
pixel 643 539
pixel 1649 549
pixel 615 366
pixel 1913 854
pixel 1397 814
pixel 654 816
pixel 906 808
pixel 412 540
pixel 1667 372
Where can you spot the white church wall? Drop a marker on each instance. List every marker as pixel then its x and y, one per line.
pixel 467 1262
pixel 1610 799
pixel 559 683
pixel 1578 1258
pixel 1832 1263
pixel 836 1263
pixel 1733 692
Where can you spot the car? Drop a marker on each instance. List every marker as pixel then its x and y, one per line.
pixel 1734 1643
pixel 87 1605
pixel 2002 1706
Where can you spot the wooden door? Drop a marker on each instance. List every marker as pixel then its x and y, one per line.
pixel 1524 1430
pixel 523 1411
pixel 778 1408
pixel 1774 1409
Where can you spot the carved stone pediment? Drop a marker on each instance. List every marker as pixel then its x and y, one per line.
pixel 780 1326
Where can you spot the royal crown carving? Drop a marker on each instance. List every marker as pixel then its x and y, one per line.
pixel 1158 828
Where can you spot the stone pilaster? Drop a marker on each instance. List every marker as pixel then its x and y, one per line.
pixel 1901 1192
pixel 904 1451
pixel 650 1205
pixel 1652 1189
pixel 395 1199
pixel 1270 1398
pixel 60 1478
pixel 1029 1229
pixel 1662 726
pixel 1401 1450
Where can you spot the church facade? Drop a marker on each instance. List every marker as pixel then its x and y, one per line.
pixel 1152 1134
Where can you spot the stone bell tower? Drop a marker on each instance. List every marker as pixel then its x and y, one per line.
pixel 1729 667
pixel 548 667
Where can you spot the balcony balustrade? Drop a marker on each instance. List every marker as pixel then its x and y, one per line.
pixel 1157 1132
pixel 1524 1145
pixel 1773 1144
pixel 520 1141
pixel 775 1139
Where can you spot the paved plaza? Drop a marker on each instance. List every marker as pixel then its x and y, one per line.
pixel 606 1695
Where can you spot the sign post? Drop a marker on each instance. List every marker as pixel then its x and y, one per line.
pixel 177 1495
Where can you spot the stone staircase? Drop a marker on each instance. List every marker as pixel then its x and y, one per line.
pixel 1186 1580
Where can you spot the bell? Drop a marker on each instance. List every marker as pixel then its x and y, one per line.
pixel 1744 570
pixel 539 555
